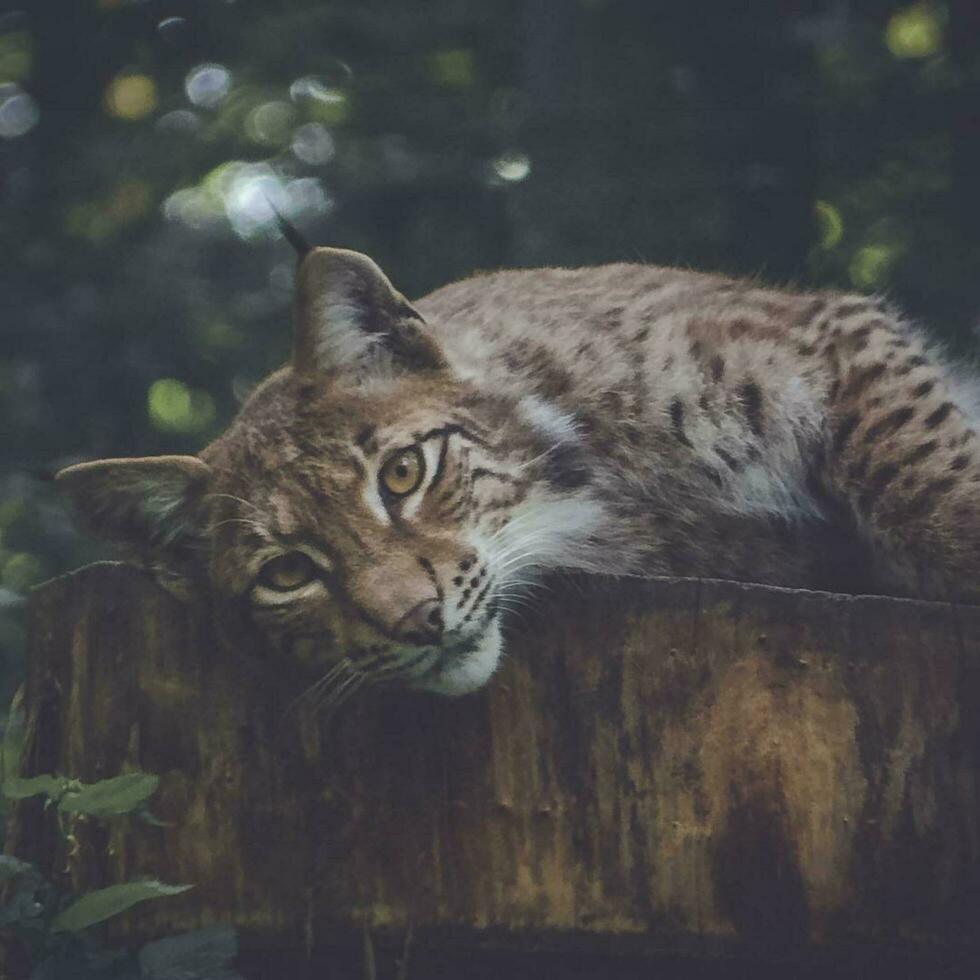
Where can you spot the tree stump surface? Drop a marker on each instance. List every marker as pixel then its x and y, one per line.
pixel 661 765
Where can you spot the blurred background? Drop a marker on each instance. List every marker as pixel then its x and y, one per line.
pixel 144 285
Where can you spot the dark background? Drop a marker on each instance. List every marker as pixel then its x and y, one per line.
pixel 144 286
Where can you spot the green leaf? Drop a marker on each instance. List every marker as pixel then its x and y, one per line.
pixel 18 788
pixel 103 904
pixel 121 794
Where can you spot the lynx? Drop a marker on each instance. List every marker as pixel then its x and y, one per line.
pixel 380 504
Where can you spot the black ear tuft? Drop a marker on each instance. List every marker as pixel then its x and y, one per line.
pixel 291 233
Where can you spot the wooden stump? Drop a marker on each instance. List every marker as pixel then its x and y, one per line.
pixel 667 765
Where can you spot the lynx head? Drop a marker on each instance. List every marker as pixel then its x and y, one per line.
pixel 369 511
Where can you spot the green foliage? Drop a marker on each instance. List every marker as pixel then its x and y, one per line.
pixel 104 903
pixel 128 792
pixel 121 794
pixel 54 932
pixel 54 929
pixel 18 788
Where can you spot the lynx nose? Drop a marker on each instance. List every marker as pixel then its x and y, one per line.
pixel 422 624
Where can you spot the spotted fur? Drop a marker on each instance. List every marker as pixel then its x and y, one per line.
pixel 626 420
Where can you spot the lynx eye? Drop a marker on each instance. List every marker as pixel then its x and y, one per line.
pixel 402 472
pixel 286 572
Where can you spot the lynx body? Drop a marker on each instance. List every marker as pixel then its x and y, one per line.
pixel 380 504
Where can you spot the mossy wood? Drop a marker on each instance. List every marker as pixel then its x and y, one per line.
pixel 666 764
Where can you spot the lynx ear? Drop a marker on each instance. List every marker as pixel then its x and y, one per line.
pixel 151 508
pixel 350 318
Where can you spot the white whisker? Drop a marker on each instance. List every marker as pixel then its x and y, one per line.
pixel 231 496
pixel 316 689
pixel 248 522
pixel 340 694
pixel 530 462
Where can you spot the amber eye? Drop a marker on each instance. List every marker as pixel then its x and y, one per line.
pixel 287 572
pixel 402 472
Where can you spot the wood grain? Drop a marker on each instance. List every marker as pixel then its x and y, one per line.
pixel 671 764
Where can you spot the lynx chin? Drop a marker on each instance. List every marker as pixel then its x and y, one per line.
pixel 380 504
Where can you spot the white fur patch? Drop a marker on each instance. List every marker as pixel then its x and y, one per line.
pixel 546 532
pixel 544 417
pixel 469 672
pixel 341 339
pixel 372 498
pixel 370 493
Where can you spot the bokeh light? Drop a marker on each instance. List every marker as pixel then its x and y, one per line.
pixel 193 208
pixel 325 102
pixel 270 123
pixel 19 113
pixel 307 196
pixel 830 224
pixel 252 190
pixel 130 96
pixel 207 85
pixel 915 31
pixel 512 166
pixel 175 407
pixel 320 88
pixel 870 265
pixel 249 195
pixel 16 56
pixel 243 195
pixel 179 121
pixel 172 28
pixel 452 68
pixel 313 144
